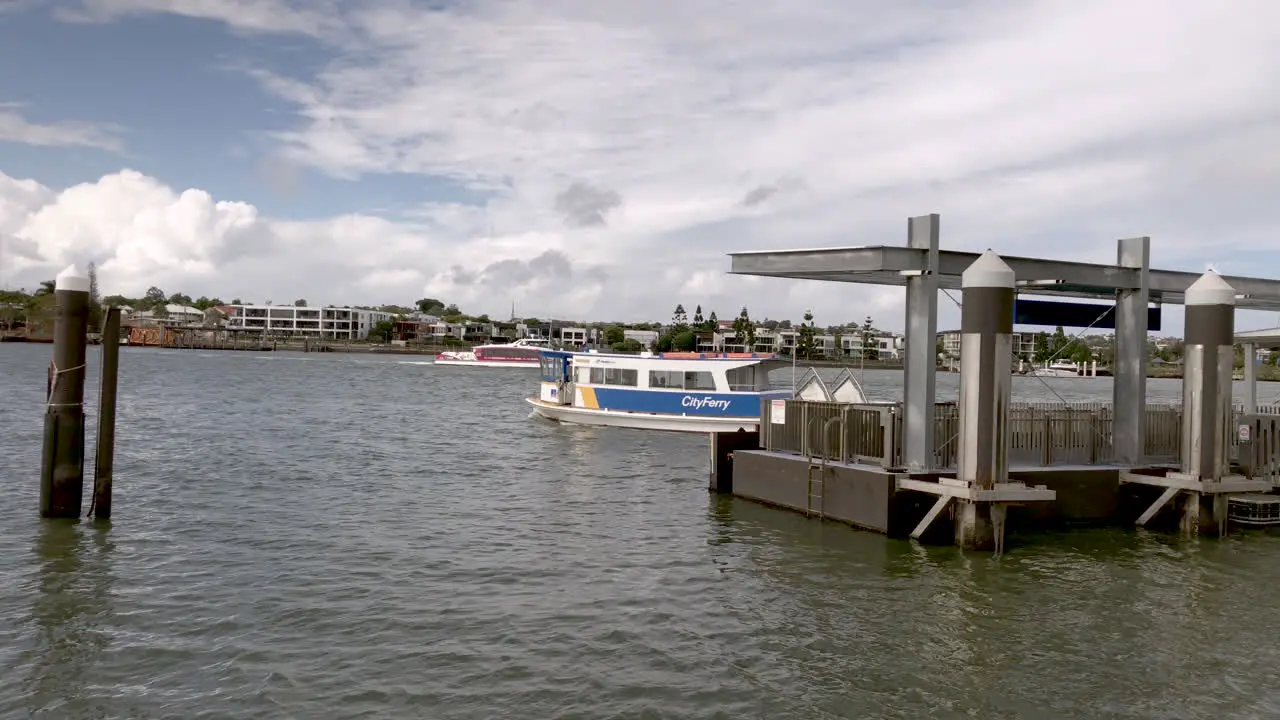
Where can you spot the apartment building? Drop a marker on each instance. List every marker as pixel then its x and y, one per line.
pixel 1024 344
pixel 332 323
pixel 783 342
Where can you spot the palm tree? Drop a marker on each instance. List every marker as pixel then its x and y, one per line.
pixel 46 287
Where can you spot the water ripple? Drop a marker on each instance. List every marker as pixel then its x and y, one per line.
pixel 347 536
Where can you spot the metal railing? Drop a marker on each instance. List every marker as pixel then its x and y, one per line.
pixel 1040 434
pixel 833 431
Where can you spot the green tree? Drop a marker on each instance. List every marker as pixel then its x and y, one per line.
pixel 153 297
pixel 46 288
pixel 627 345
pixel 1080 354
pixel 430 306
pixel 684 341
pixel 1043 349
pixel 381 331
pixel 95 300
pixel 180 299
pixel 804 344
pixel 698 320
pixel 300 302
pixel 1058 342
pixel 614 335
pixel 713 322
pixel 744 331
pixel 679 319
pixel 870 349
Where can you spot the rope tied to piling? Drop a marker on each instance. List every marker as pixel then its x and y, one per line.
pixel 54 374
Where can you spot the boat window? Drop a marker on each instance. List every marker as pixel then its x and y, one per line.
pixel 597 376
pixel 743 378
pixel 667 379
pixel 584 376
pixel 620 376
pixel 699 380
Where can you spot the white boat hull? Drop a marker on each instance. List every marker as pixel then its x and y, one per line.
pixel 640 420
pixel 486 363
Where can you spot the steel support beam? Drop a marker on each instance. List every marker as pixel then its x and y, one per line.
pixel 1129 392
pixel 920 366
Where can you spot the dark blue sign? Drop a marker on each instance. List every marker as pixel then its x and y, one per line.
pixel 1076 315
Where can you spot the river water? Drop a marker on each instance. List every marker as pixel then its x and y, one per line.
pixel 341 536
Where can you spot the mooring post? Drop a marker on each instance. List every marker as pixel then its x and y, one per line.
pixel 106 416
pixel 62 466
pixel 1209 359
pixel 986 358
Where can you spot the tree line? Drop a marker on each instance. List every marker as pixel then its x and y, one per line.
pixel 682 333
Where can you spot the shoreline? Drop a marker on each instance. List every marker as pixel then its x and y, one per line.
pixel 1155 372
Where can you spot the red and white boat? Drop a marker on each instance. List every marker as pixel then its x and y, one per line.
pixel 521 353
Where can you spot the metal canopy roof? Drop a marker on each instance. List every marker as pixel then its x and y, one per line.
pixel 1270 337
pixel 891 265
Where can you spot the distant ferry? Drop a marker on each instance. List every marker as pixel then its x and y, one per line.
pixel 684 392
pixel 524 353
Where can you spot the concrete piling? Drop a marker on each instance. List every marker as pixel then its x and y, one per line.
pixel 986 357
pixel 105 459
pixel 62 466
pixel 1209 359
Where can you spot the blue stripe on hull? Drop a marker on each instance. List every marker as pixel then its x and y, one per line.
pixel 666 402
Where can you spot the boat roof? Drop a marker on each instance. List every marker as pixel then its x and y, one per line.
pixel 736 359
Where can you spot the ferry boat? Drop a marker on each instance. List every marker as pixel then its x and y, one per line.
pixel 524 353
pixel 675 391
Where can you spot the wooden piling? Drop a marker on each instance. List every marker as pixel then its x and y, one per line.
pixel 62 466
pixel 105 459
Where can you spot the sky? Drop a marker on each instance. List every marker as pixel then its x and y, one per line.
pixel 598 160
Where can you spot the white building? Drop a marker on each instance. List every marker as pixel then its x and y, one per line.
pixel 172 316
pixel 646 338
pixel 332 323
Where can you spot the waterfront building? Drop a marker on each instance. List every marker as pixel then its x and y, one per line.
pixel 330 323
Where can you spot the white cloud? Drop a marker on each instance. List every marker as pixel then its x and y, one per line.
pixel 142 233
pixel 641 141
pixel 15 128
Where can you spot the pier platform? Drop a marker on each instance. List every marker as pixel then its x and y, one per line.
pixel 841 462
pixel 986 464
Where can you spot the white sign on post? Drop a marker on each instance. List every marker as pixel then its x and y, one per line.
pixel 1244 433
pixel 778 412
